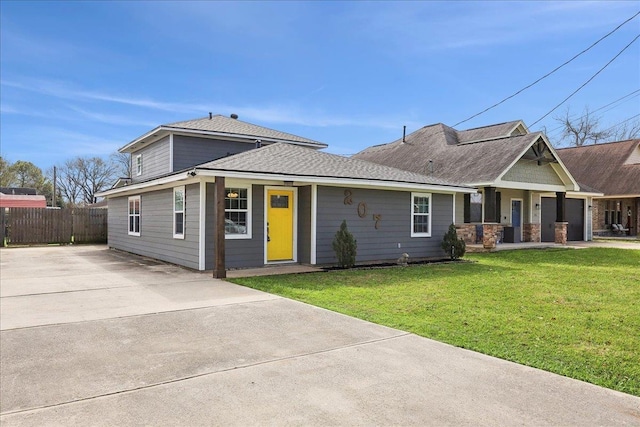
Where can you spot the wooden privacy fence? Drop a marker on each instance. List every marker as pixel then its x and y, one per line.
pixel 25 226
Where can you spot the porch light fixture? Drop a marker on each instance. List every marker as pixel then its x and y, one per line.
pixel 537 206
pixel 589 207
pixel 232 195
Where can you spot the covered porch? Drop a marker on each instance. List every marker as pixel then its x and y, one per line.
pixel 498 216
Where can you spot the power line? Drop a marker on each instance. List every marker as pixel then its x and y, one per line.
pixel 600 108
pixel 587 82
pixel 548 74
pixel 624 121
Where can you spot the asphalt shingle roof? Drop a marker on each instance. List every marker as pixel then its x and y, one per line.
pixel 453 159
pixel 290 159
pixel 602 166
pixel 487 132
pixel 223 124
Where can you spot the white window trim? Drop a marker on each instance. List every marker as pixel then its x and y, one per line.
pixel 184 208
pixel 249 210
pixel 429 215
pixel 139 165
pixel 129 214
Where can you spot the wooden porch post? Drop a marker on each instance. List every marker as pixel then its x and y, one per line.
pixel 560 206
pixel 490 209
pixel 219 269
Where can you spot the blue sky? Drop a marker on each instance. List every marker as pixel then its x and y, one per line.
pixel 85 78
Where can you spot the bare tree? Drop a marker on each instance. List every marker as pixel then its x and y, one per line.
pixel 81 178
pixel 68 181
pixel 582 130
pixel 626 130
pixel 122 162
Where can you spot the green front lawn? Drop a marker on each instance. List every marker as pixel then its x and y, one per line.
pixel 572 312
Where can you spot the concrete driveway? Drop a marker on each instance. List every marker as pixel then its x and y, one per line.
pixel 91 336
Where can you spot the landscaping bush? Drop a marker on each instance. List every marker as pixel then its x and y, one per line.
pixel 345 246
pixel 452 245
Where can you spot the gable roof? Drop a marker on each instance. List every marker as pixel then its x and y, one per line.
pixel 221 127
pixel 613 168
pixel 457 156
pixel 284 162
pixel 496 131
pixel 286 159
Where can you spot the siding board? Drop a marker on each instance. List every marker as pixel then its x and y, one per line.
pixel 304 224
pixel 239 253
pixel 190 151
pixel 395 225
pixel 155 161
pixel 156 227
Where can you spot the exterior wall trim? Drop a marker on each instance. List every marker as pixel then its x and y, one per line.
pixel 202 236
pixel 314 222
pixel 170 152
pixel 413 233
pixel 328 181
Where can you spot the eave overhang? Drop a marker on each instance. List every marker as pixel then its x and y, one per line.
pixel 162 131
pixel 196 175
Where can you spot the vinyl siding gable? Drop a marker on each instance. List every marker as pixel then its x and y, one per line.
pixel 155 161
pixel 190 151
pixel 530 171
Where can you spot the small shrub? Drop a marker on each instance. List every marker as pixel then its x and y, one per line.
pixel 345 247
pixel 452 245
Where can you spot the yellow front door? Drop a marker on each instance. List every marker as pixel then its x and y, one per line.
pixel 279 225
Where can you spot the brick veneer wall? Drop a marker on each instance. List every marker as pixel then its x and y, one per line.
pixel 561 232
pixel 531 233
pixel 467 232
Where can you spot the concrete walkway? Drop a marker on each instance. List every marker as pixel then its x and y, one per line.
pixel 96 337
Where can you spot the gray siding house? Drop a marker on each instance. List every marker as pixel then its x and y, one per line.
pixel 218 193
pixel 525 192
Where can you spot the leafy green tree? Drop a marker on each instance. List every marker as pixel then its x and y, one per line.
pixel 6 173
pixel 25 174
pixel 345 246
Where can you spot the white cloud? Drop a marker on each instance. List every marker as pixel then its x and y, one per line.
pixel 275 113
pixel 422 28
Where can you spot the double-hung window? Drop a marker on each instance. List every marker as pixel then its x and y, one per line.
pixel 134 215
pixel 139 165
pixel 178 212
pixel 420 215
pixel 237 213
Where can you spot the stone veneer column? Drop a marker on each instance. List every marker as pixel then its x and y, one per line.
pixel 466 232
pixel 531 232
pixel 489 232
pixel 561 233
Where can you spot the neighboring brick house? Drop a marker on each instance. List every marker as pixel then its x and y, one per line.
pixel 525 191
pixel 614 169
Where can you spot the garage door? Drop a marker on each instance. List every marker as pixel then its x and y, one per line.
pixel 574 215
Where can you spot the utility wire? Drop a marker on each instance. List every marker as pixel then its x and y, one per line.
pixel 624 121
pixel 587 82
pixel 548 74
pixel 604 106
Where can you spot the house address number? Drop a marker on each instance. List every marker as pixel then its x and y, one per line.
pixel 362 209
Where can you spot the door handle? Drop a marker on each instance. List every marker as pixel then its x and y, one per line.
pixel 268 238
